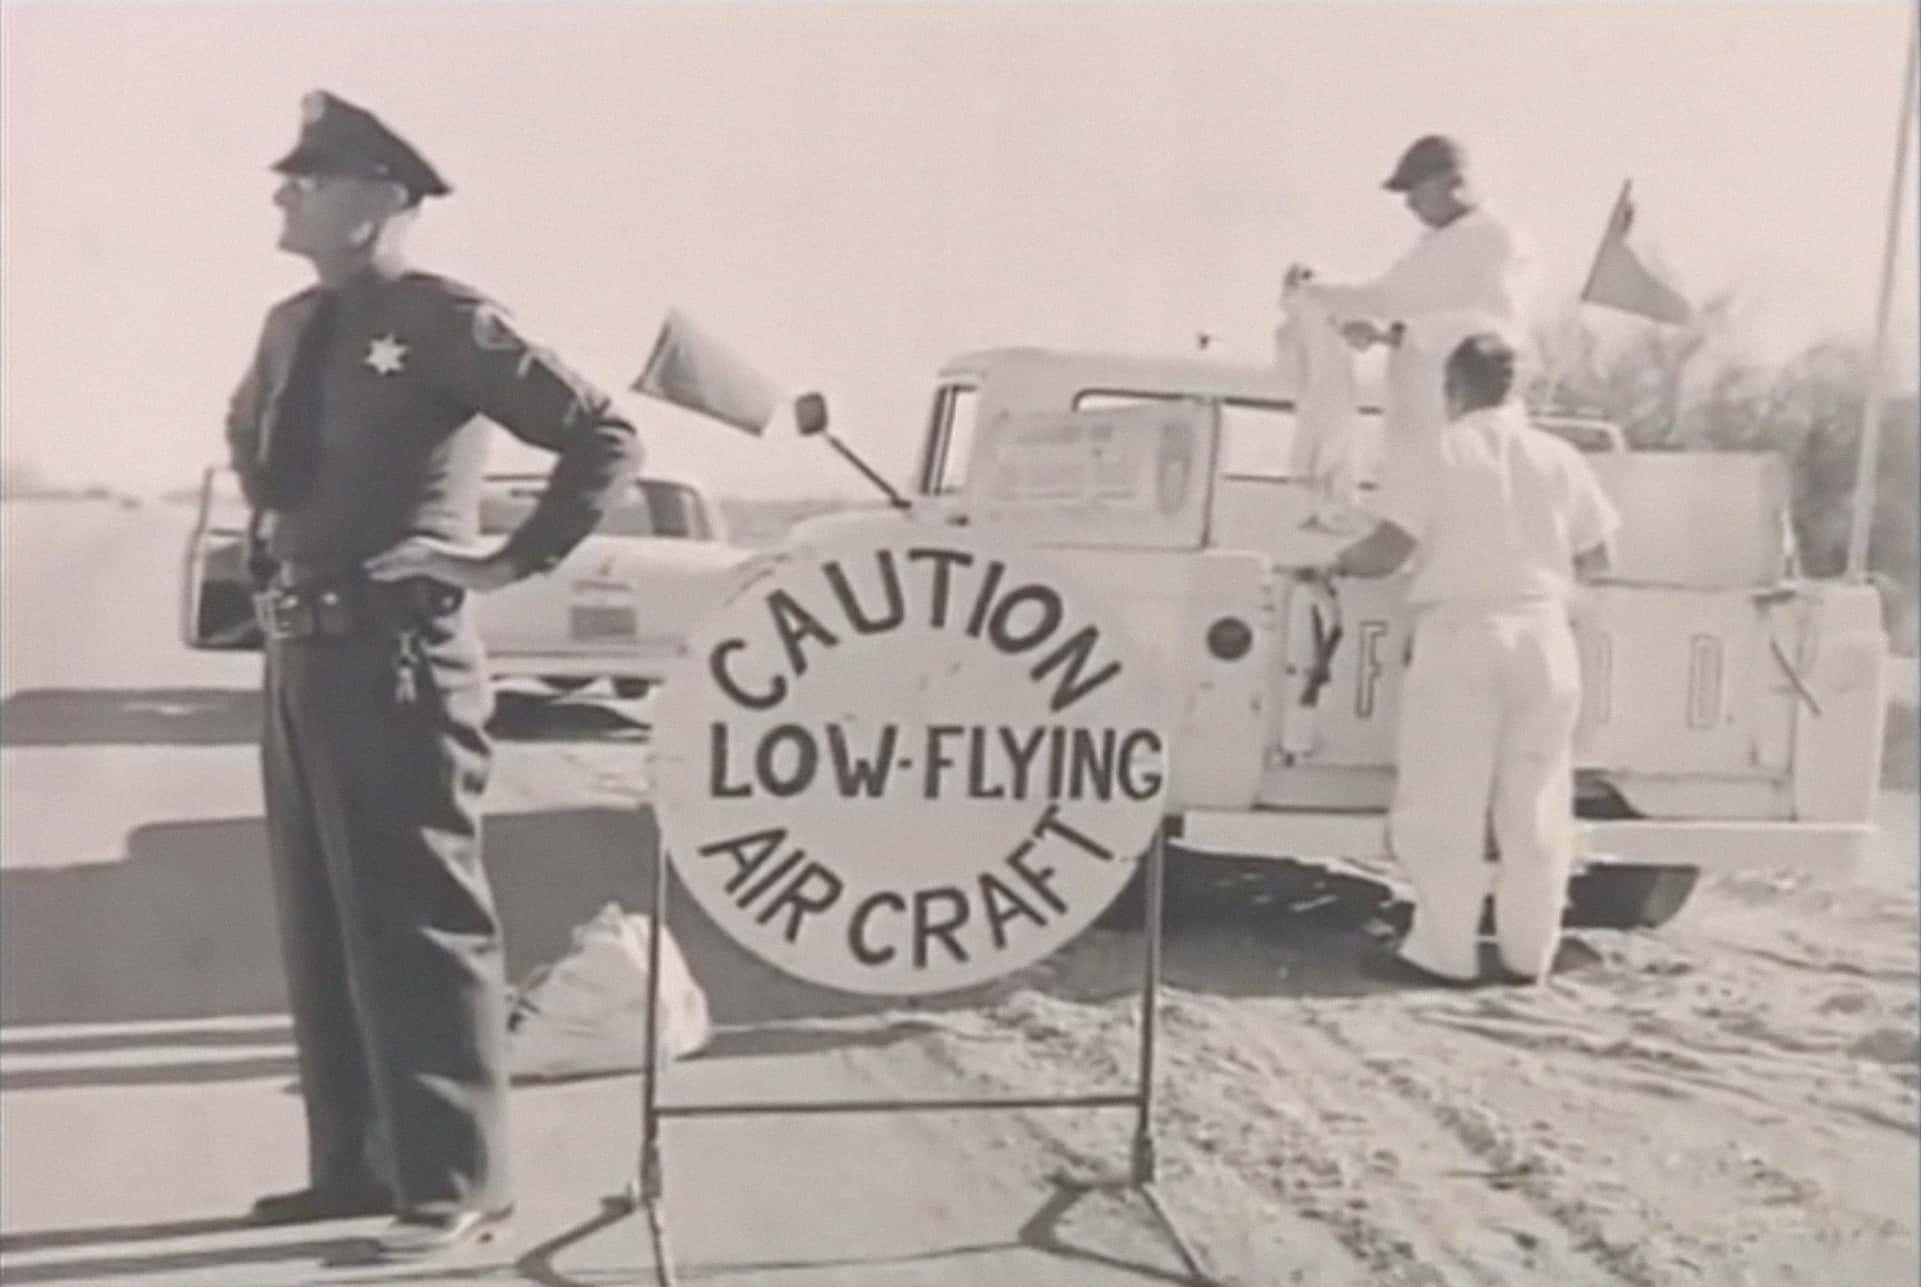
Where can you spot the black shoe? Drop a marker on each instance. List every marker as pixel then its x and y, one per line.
pixel 305 1206
pixel 417 1234
pixel 1389 966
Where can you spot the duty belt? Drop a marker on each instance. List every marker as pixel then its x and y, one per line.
pixel 334 607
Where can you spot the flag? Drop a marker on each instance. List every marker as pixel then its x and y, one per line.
pixel 1621 281
pixel 695 371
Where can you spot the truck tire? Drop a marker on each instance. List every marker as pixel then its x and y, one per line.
pixel 564 684
pixel 632 690
pixel 1628 897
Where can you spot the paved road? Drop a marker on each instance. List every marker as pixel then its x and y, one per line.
pixel 145 1063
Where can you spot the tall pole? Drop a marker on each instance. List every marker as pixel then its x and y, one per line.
pixel 1864 471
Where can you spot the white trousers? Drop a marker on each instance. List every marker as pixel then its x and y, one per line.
pixel 1488 711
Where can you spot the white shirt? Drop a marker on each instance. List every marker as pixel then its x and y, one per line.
pixel 1476 264
pixel 1498 509
pixel 1476 268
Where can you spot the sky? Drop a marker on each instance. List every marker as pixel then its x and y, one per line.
pixel 852 193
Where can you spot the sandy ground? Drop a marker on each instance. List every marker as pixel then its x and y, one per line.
pixel 1732 1099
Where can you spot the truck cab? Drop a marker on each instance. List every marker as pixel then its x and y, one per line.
pixel 1732 708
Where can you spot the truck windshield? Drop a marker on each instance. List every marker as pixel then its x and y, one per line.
pixel 1256 437
pixel 654 508
pixel 223 505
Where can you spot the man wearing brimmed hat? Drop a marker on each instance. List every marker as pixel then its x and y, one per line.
pixel 359 439
pixel 1469 267
pixel 1506 520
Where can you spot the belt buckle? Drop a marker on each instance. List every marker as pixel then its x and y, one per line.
pixel 284 614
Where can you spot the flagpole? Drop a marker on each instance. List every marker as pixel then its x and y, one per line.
pixel 1864 469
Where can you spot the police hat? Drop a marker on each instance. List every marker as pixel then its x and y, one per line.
pixel 1427 156
pixel 338 138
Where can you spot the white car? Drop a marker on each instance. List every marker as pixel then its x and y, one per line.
pixel 216 597
pixel 615 608
pixel 619 606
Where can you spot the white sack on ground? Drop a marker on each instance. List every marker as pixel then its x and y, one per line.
pixel 1326 450
pixel 587 1012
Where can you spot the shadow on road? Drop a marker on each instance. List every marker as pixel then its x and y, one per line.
pixel 182 927
pixel 184 1072
pixel 1257 927
pixel 111 1235
pixel 232 717
pixel 94 1043
pixel 182 1266
pixel 1041 1233
pixel 131 717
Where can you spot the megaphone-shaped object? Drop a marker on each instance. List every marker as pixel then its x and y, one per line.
pixel 693 370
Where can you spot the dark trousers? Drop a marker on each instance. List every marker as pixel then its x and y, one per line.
pixel 393 951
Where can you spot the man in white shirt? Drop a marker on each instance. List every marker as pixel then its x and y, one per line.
pixel 1507 519
pixel 1470 261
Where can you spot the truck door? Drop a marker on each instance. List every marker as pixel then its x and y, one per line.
pixel 1121 497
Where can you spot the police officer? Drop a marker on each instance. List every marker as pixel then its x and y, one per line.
pixel 1470 262
pixel 1506 519
pixel 357 435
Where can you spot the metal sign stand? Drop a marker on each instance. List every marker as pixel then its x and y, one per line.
pixel 648 1189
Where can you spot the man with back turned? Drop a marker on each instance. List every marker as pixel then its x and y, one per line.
pixel 359 438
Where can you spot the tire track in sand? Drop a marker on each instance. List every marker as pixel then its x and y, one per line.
pixel 1293 1112
pixel 1521 1167
pixel 1428 1176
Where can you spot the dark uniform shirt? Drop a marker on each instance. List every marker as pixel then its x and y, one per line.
pixel 411 362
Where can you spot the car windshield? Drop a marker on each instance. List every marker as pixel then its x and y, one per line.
pixel 653 508
pixel 224 503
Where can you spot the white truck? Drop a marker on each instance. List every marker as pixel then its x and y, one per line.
pixel 1733 709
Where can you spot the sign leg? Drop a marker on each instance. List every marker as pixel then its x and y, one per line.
pixel 1145 1161
pixel 1143 1154
pixel 650 1187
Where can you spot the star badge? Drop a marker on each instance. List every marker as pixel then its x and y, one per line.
pixel 386 355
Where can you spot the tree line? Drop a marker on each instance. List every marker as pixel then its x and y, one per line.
pixel 1689 389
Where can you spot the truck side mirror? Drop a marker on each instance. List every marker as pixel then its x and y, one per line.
pixel 810 421
pixel 810 414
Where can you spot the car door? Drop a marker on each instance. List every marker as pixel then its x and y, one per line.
pixel 216 594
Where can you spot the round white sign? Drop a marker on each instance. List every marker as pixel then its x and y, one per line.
pixel 901 761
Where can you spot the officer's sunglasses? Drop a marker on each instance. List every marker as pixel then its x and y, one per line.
pixel 308 184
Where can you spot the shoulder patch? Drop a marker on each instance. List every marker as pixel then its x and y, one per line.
pixel 493 332
pixel 455 311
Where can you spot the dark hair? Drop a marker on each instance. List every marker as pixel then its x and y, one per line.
pixel 1481 371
